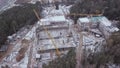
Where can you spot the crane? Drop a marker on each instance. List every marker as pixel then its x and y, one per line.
pixel 46 30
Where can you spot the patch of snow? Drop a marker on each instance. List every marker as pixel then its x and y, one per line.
pixel 45 56
pixel 30 34
pixel 96 31
pixel 57 19
pixel 37 55
pixel 116 29
pixel 84 20
pixel 105 21
pixel 88 40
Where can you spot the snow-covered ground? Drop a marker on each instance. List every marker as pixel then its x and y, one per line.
pixel 51 11
pixel 10 59
pixel 64 36
pixel 8 5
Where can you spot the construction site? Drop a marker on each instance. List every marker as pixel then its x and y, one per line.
pixel 54 35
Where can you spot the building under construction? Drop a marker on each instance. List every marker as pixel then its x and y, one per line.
pixel 54 35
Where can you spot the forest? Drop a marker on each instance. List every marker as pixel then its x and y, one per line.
pixel 17 17
pixel 109 8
